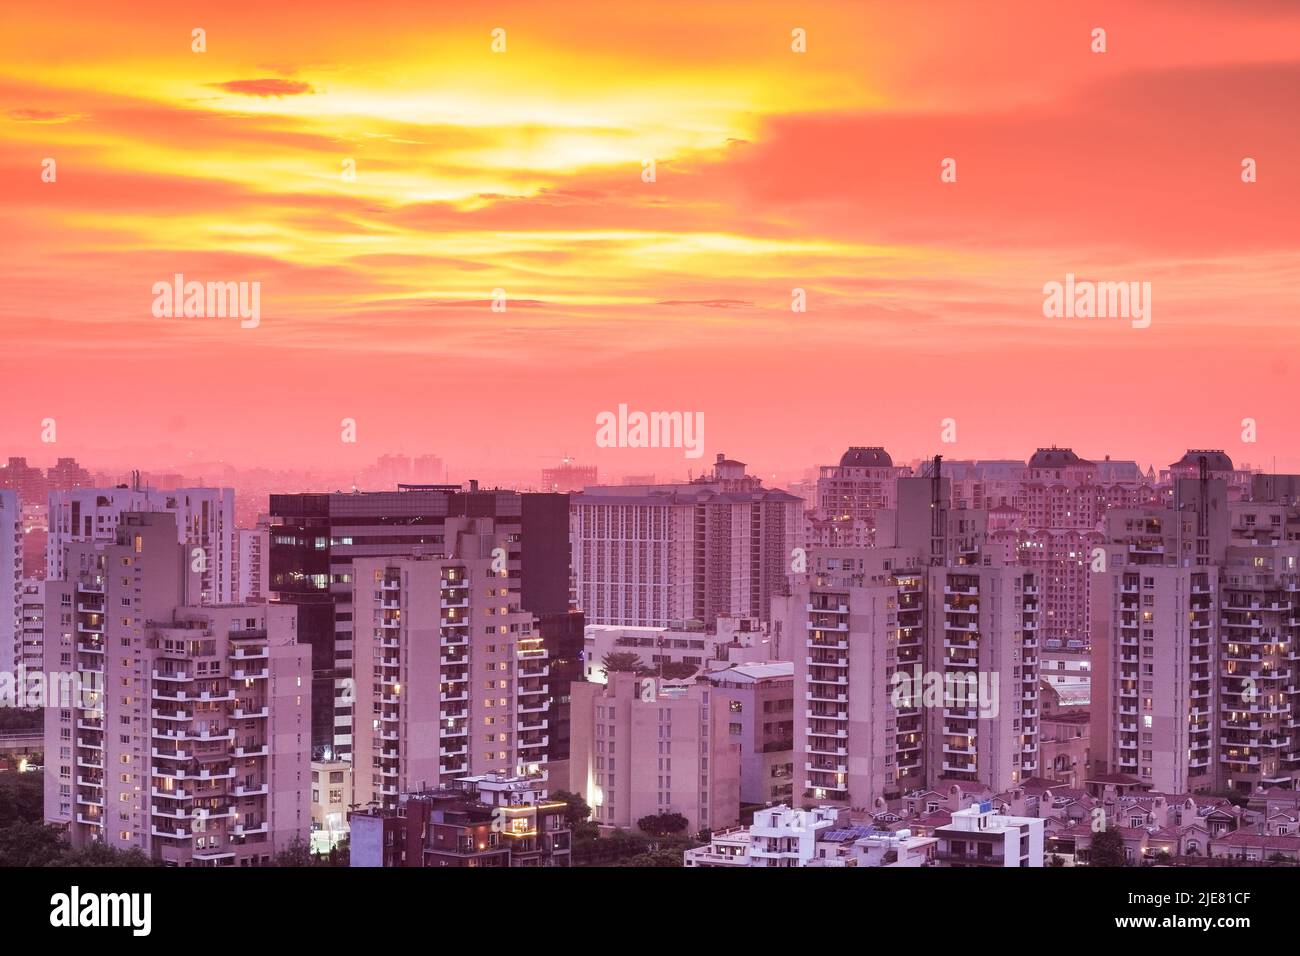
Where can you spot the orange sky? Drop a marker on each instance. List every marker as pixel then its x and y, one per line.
pixel 522 170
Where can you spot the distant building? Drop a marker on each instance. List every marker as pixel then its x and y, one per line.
pixel 568 477
pixel 650 555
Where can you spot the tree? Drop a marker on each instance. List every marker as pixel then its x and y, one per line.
pixel 662 824
pixel 624 661
pixel 22 798
pixel 677 670
pixel 1056 860
pixel 576 811
pixel 29 844
pixel 1107 849
pixel 297 853
pixel 101 855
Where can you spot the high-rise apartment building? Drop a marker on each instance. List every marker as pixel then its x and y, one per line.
pixel 642 747
pixel 31 649
pixel 451 674
pixel 655 555
pixel 252 563
pixel 11 580
pixel 850 494
pixel 315 538
pixel 205 524
pixel 185 734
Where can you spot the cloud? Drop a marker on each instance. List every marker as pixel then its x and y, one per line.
pixel 267 86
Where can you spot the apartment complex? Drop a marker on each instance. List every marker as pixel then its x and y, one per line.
pixel 188 736
pixel 31 625
pixel 652 555
pixel 851 493
pixel 1198 639
pixel 642 747
pixel 452 677
pixel 11 581
pixel 315 538
pixel 760 719
pixel 252 563
pixel 204 519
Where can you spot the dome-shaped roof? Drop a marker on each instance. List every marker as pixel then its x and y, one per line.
pixel 862 456
pixel 1215 458
pixel 1057 458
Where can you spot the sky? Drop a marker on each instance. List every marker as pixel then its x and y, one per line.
pixel 524 169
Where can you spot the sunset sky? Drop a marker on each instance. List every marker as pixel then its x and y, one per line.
pixel 522 170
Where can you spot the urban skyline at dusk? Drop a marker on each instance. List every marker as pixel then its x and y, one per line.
pixel 548 434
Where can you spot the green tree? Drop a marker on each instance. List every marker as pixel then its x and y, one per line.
pixel 30 844
pixel 100 855
pixel 663 824
pixel 22 798
pixel 576 810
pixel 297 853
pixel 1107 849
pixel 623 661
pixel 677 670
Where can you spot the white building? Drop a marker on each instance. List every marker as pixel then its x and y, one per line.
pixel 977 836
pixel 205 523
pixel 649 555
pixel 253 563
pixel 31 653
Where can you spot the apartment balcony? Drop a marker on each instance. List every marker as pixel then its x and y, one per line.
pixel 240 713
pixel 448 697
pixel 90 762
pixel 826 767
pixel 830 715
pixel 171 833
pixel 965 592
pixel 822 751
pixel 448 732
pixel 540 707
pixel 840 628
pixel 90 744
pixel 90 781
pixel 90 801
pixel 179 677
pixel 959 750
pixel 177 794
pixel 527 726
pixel 83 648
pixel 246 674
pixel 828 609
pixel 91 820
pixel 950 767
pixel 200 776
pixel 961 608
pixel 255 750
pixel 250 829
pixel 826 697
